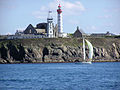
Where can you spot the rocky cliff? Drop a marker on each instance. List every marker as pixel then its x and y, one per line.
pixel 57 50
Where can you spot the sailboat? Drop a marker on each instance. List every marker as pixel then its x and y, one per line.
pixel 89 61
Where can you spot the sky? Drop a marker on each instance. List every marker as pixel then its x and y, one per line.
pixel 92 16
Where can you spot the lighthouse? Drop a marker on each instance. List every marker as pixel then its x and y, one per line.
pixel 50 25
pixel 59 21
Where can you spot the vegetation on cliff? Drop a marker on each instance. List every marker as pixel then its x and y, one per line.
pixel 56 50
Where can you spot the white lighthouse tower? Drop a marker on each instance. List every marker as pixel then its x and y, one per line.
pixel 50 25
pixel 59 22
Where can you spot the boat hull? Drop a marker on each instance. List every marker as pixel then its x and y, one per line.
pixel 88 62
pixel 84 62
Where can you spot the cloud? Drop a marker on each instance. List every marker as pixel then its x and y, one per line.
pixel 20 29
pixel 6 4
pixel 112 10
pixel 74 8
pixel 92 27
pixel 69 8
pixel 71 21
pixel 105 16
pixel 41 13
pixel 109 25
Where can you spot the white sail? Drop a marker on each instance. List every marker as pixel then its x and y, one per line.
pixel 90 49
pixel 84 49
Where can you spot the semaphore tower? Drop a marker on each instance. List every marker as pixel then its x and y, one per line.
pixel 50 25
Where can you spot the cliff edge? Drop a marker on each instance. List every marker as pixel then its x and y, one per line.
pixel 57 50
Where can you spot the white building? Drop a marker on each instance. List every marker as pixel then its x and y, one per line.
pixel 50 25
pixel 43 30
pixel 60 23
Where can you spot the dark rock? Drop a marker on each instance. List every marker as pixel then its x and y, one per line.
pixel 14 52
pixel 3 51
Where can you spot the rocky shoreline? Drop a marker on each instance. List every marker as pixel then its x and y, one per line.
pixel 97 61
pixel 57 50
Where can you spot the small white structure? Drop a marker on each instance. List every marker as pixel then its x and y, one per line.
pixel 50 25
pixel 64 35
pixel 19 32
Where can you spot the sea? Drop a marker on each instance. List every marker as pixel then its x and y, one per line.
pixel 60 76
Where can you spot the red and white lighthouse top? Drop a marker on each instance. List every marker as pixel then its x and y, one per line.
pixel 59 9
pixel 59 6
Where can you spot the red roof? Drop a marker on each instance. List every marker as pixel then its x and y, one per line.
pixel 59 11
pixel 59 6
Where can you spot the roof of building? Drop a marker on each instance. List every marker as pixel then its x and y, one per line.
pixel 102 34
pixel 78 33
pixel 79 30
pixel 30 27
pixel 41 26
